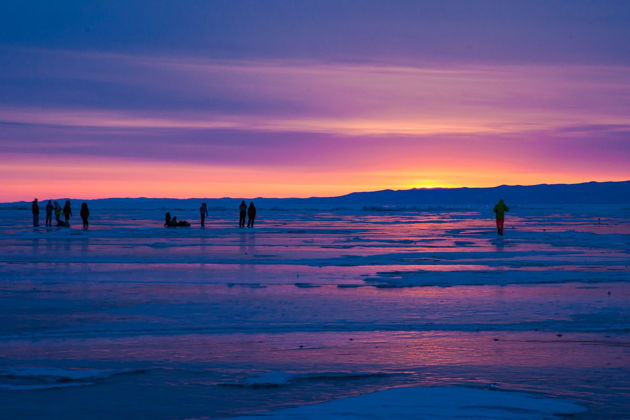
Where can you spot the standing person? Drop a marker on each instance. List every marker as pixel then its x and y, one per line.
pixel 499 209
pixel 67 212
pixel 243 213
pixel 85 213
pixel 251 213
pixel 58 214
pixel 49 211
pixel 203 211
pixel 35 210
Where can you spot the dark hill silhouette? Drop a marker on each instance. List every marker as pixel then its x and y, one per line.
pixel 586 193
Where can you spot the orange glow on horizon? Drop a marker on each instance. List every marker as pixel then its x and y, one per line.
pixel 295 128
pixel 106 179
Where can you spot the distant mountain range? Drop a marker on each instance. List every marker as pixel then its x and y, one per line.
pixel 585 193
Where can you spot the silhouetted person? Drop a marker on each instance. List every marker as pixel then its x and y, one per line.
pixel 243 213
pixel 251 214
pixel 35 211
pixel 57 210
pixel 203 212
pixel 173 222
pixel 499 209
pixel 85 213
pixel 49 212
pixel 179 223
pixel 67 212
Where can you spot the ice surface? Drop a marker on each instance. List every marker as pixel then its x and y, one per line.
pixel 58 374
pixel 268 379
pixel 434 403
pixel 273 379
pixel 310 306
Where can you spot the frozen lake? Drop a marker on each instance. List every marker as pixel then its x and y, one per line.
pixel 132 320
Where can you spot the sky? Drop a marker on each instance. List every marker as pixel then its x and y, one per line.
pixel 195 98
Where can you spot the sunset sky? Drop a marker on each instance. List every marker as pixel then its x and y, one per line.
pixel 299 98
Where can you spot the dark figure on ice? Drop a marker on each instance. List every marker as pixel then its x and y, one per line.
pixel 85 213
pixel 180 223
pixel 172 221
pixel 49 212
pixel 35 210
pixel 499 209
pixel 58 213
pixel 67 212
pixel 251 214
pixel 243 213
pixel 203 212
pixel 57 210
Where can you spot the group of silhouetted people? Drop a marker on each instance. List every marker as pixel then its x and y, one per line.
pixel 66 211
pixel 173 222
pixel 53 208
pixel 250 212
pixel 245 212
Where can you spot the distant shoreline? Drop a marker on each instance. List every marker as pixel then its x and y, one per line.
pixel 609 192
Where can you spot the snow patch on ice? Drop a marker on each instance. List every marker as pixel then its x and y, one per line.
pixel 432 402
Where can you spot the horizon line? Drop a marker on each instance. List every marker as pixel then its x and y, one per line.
pixel 312 197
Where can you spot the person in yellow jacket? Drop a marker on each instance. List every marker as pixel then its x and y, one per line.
pixel 499 210
pixel 58 214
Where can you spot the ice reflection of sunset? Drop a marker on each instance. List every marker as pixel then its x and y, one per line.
pixel 329 350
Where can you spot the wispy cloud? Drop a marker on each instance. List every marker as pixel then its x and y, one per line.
pixel 371 124
pixel 116 90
